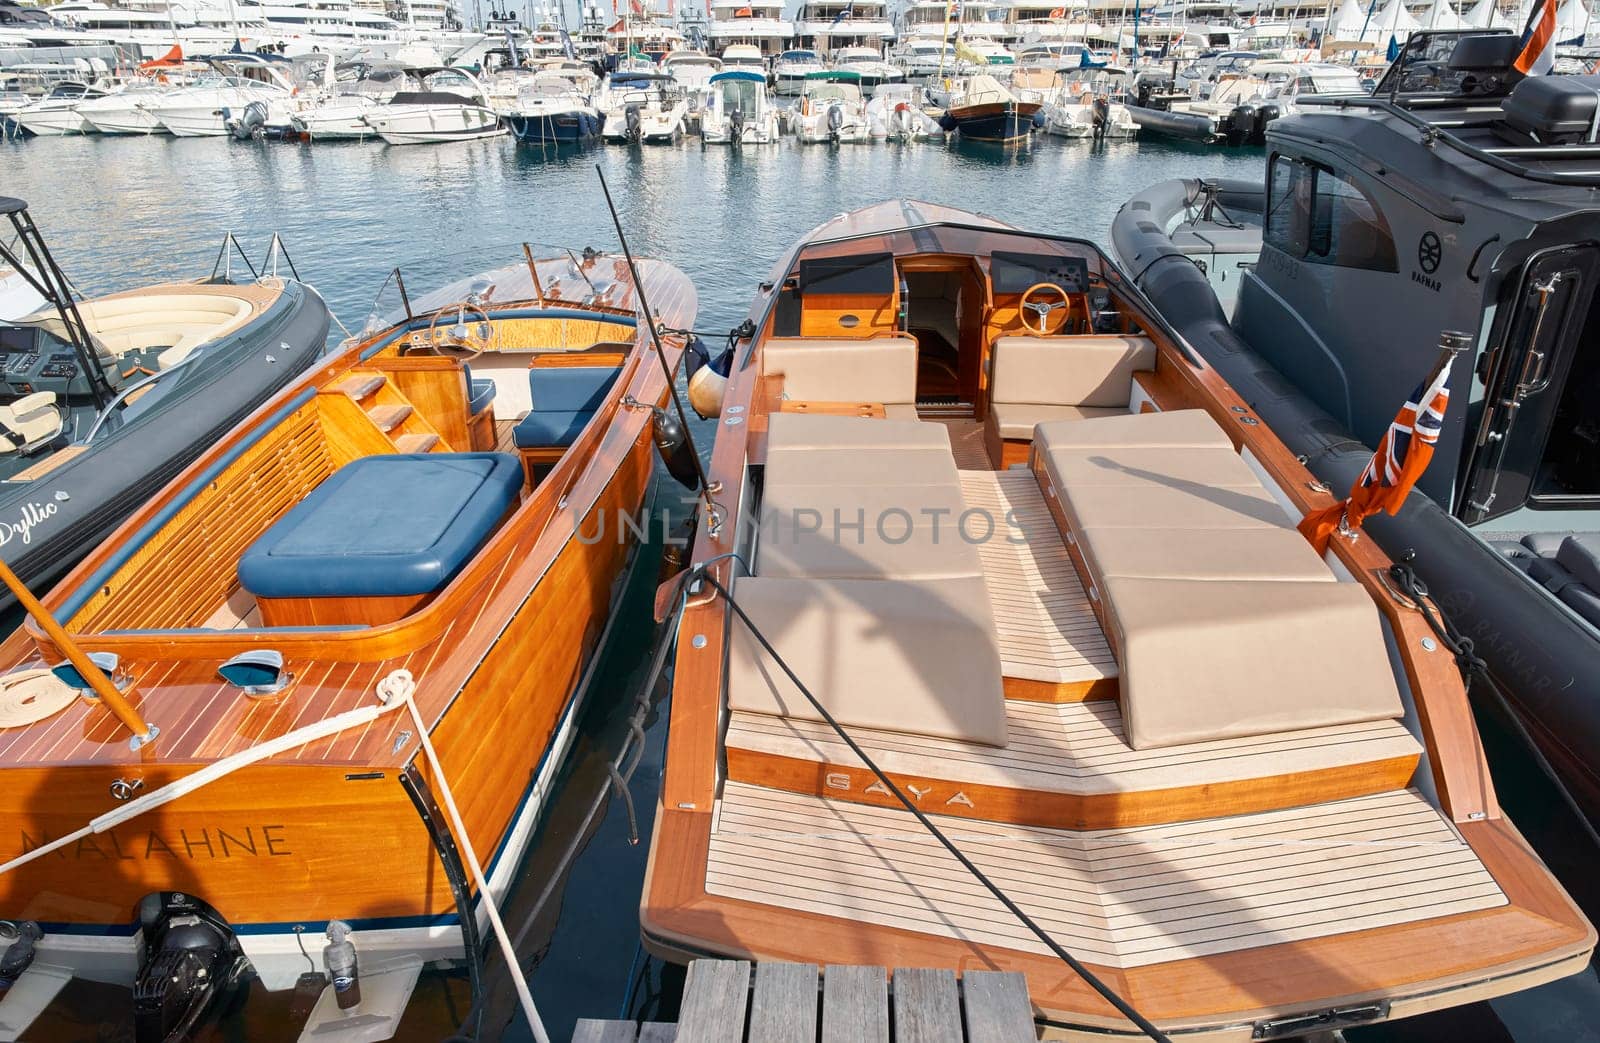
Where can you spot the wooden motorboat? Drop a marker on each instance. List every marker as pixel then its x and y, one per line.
pixel 442 510
pixel 104 399
pixel 987 110
pixel 1238 780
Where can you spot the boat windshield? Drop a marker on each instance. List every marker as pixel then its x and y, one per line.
pixel 556 276
pixel 743 95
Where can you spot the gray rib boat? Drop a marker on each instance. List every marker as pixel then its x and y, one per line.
pixel 102 401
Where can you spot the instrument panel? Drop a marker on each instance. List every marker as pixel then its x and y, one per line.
pixel 32 360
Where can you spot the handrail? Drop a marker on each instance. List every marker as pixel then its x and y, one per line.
pixel 105 414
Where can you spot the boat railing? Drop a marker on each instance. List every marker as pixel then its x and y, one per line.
pixel 222 267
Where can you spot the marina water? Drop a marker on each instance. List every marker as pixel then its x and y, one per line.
pixel 124 212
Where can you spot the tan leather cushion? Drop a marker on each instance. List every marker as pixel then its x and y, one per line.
pixel 1094 370
pixel 903 656
pixel 897 507
pixel 900 410
pixel 1191 428
pixel 790 467
pixel 1018 419
pixel 898 551
pixel 1205 660
pixel 1180 468
pixel 1158 505
pixel 1215 554
pixel 882 369
pixel 814 431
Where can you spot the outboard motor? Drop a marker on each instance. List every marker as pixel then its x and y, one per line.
pixel 835 122
pixel 1100 115
pixel 252 126
pixel 736 126
pixel 631 118
pixel 1240 124
pixel 672 444
pixel 190 959
pixel 1266 112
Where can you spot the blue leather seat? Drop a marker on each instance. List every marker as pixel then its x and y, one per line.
pixel 564 399
pixel 479 392
pixel 384 526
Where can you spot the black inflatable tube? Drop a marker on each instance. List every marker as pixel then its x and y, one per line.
pixel 1546 660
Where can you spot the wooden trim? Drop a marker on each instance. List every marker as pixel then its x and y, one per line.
pixel 1060 691
pixel 1078 811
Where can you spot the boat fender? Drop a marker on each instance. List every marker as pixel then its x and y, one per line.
pixel 19 954
pixel 672 444
pixel 344 971
pixel 1038 119
pixel 707 378
pixel 947 122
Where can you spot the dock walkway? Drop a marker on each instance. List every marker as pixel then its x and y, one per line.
pixel 724 1003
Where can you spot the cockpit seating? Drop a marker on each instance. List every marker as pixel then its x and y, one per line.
pixel 567 390
pixel 877 369
pixel 29 421
pixel 1039 380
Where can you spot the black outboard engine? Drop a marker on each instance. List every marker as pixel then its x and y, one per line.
pixel 190 959
pixel 1240 124
pixel 1100 115
pixel 631 118
pixel 736 126
pixel 252 126
pixel 1266 112
pixel 835 122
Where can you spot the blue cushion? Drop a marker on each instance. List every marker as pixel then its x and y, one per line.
pixel 384 526
pixel 563 389
pixel 479 392
pixel 543 430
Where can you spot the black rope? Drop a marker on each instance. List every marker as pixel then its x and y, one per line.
pixel 1106 992
pixel 1474 667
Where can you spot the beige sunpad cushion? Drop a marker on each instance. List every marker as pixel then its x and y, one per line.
pixel 787 431
pixel 1156 505
pixel 880 369
pixel 788 468
pixel 1211 554
pixel 1174 429
pixel 1208 659
pixel 1018 419
pixel 916 657
pixel 1094 370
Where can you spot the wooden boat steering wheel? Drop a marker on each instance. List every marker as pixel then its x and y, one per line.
pixel 1043 309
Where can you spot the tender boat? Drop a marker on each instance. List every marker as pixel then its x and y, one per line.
pixel 106 398
pixel 988 110
pixel 446 105
pixel 985 523
pixel 385 586
pixel 831 110
pixel 1459 196
pixel 895 113
pixel 739 110
pixel 647 107
pixel 1091 104
pixel 204 108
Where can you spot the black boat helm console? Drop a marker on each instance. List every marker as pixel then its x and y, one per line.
pixel 1460 196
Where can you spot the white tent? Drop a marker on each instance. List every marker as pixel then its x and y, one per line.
pixel 1442 16
pixel 1346 23
pixel 1487 15
pixel 1572 22
pixel 1395 20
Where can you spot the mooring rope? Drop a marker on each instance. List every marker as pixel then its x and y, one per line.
pixel 1089 977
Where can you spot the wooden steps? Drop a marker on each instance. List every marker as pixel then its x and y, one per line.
pixel 418 443
pixel 1117 898
pixel 390 417
pixel 1069 766
pixel 361 386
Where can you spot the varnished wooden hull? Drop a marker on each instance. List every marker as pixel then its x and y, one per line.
pixel 325 830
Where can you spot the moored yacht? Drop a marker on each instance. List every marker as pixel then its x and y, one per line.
pixel 1219 770
pixel 757 23
pixel 443 105
pixel 647 107
pixel 984 109
pixel 126 111
pixel 57 112
pixel 739 110
pixel 202 110
pixel 832 110
pixel 874 69
pixel 791 68
pixel 551 109
pixel 826 25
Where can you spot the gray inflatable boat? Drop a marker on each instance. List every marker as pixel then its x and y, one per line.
pixel 102 401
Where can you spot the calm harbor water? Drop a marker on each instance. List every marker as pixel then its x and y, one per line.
pixel 124 212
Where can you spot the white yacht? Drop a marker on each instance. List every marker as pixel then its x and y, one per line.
pixel 204 109
pixel 1089 103
pixel 1057 54
pixel 652 34
pixel 553 109
pixel 924 59
pixel 874 69
pixel 789 72
pixel 758 23
pixel 642 107
pixel 57 112
pixel 832 110
pixel 438 105
pixel 745 57
pixel 739 110
pixel 826 25
pixel 126 111
pixel 1045 22
pixel 341 115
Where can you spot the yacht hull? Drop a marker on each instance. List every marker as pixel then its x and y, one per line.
pixel 434 124
pixel 558 127
pixel 129 119
pixel 997 123
pixel 53 122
